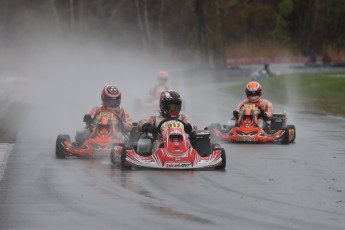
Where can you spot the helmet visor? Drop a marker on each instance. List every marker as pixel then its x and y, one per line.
pixel 174 110
pixel 253 94
pixel 112 103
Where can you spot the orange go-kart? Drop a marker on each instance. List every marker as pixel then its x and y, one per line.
pixel 93 141
pixel 248 129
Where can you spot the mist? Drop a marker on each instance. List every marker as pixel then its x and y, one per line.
pixel 63 79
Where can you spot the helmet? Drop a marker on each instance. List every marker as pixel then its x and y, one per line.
pixel 111 97
pixel 253 91
pixel 163 75
pixel 170 103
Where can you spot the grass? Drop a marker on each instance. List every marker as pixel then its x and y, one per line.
pixel 317 92
pixel 10 121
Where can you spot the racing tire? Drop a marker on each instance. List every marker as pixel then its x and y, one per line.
pixel 59 149
pixel 123 159
pixel 223 156
pixel 112 156
pixel 292 133
pixel 215 146
pixel 286 135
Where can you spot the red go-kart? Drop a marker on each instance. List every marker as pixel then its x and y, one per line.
pixel 247 128
pixel 178 150
pixel 98 142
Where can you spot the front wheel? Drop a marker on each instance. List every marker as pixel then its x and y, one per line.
pixel 223 156
pixel 59 148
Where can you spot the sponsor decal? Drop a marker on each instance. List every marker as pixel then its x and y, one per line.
pixel 106 115
pixel 177 165
pixel 246 139
pixel 249 106
pixel 172 124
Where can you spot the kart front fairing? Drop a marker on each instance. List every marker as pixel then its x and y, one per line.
pixel 99 142
pixel 176 152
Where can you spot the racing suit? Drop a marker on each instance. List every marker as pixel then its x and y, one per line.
pixel 266 106
pixel 120 118
pixel 156 120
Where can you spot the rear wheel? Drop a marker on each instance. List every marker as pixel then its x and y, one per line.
pixel 292 133
pixel 59 148
pixel 223 156
pixel 123 159
pixel 112 156
pixel 286 135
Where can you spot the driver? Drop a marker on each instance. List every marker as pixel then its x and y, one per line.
pixel 119 116
pixel 170 106
pixel 254 91
pixel 161 85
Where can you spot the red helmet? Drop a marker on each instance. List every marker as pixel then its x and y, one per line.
pixel 170 103
pixel 253 91
pixel 163 75
pixel 111 97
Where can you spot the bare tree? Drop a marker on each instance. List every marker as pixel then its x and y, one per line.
pixel 147 23
pixel 160 25
pixel 116 9
pixel 140 24
pixel 56 15
pixel 72 17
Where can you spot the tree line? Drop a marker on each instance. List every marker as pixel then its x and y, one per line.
pixel 213 30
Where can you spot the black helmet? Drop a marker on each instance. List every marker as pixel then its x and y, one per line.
pixel 170 103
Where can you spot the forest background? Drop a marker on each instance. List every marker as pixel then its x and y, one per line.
pixel 210 31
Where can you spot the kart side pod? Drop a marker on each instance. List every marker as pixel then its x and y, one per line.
pixel 201 143
pixel 144 146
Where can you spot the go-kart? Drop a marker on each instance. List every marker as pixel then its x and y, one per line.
pixel 262 73
pixel 177 151
pixel 93 141
pixel 251 129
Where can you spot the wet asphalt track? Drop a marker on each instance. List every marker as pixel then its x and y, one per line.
pixel 299 186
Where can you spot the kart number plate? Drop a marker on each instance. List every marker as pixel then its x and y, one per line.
pixel 177 165
pixel 172 124
pixel 106 115
pixel 247 139
pixel 249 106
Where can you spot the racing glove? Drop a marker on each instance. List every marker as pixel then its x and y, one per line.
pixel 188 128
pixel 87 119
pixel 150 128
pixel 236 114
pixel 263 115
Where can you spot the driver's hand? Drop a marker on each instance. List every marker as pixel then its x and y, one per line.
pixel 150 128
pixel 236 114
pixel 188 128
pixel 263 115
pixel 87 119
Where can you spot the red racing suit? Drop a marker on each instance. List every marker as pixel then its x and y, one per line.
pixel 156 120
pixel 262 103
pixel 116 115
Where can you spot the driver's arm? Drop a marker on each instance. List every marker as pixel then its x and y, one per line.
pixel 150 120
pixel 187 120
